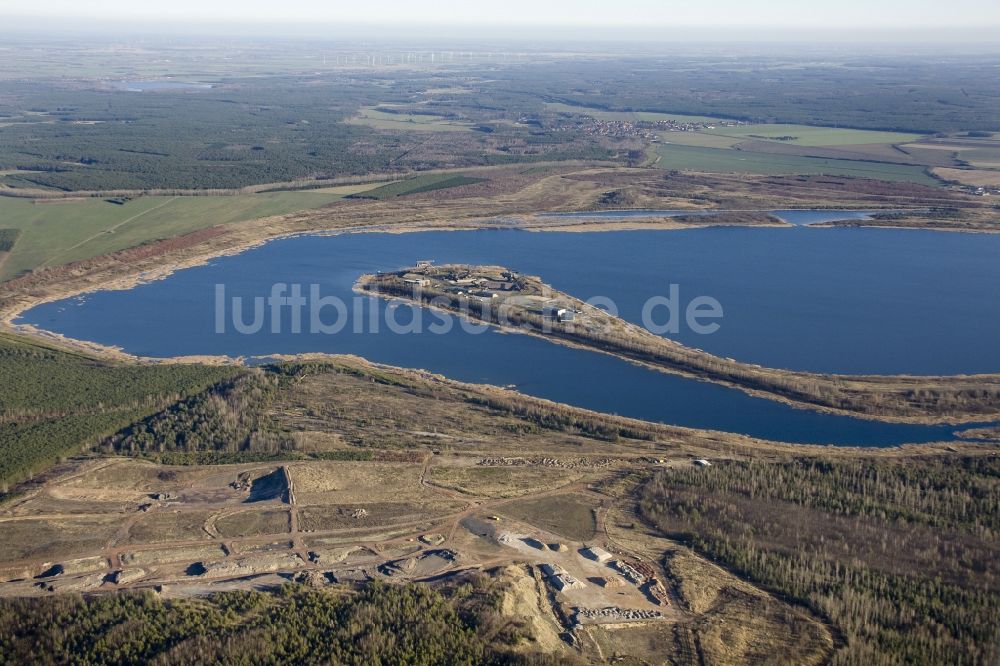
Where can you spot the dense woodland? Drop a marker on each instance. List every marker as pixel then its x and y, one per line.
pixel 244 132
pixel 115 139
pixel 379 624
pixel 227 417
pixel 55 403
pixel 891 92
pixel 7 239
pixel 900 556
pixel 71 134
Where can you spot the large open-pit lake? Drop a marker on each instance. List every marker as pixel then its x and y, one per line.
pixel 846 300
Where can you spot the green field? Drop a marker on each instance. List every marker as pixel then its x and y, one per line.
pixel 413 122
pixel 807 135
pixel 647 116
pixel 427 183
pixel 701 139
pixel 985 158
pixel 716 160
pixel 60 231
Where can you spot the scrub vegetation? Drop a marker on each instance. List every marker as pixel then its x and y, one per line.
pixel 246 417
pixel 247 131
pixel 900 556
pixel 417 185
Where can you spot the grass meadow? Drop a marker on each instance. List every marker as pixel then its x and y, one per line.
pixel 720 160
pixel 60 231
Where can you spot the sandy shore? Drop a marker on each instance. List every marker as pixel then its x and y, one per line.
pixel 511 204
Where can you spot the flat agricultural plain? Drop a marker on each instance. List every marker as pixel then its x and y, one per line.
pixel 735 160
pixel 809 135
pixel 378 118
pixel 59 231
pixel 974 177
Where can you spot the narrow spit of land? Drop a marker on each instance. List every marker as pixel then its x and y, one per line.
pixel 504 298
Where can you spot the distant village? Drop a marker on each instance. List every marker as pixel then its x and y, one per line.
pixel 638 129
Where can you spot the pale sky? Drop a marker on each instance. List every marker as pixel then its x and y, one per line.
pixel 775 14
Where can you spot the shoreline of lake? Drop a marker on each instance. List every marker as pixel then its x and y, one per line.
pixel 11 312
pixel 162 271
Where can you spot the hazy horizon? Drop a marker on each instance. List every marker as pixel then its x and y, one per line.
pixel 896 21
pixel 977 39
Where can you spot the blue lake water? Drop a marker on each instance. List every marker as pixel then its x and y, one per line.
pixel 841 300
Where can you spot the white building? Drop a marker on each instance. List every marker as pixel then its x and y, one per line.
pixel 558 313
pixel 596 553
pixel 565 582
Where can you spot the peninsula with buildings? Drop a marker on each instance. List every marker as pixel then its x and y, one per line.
pixel 510 300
